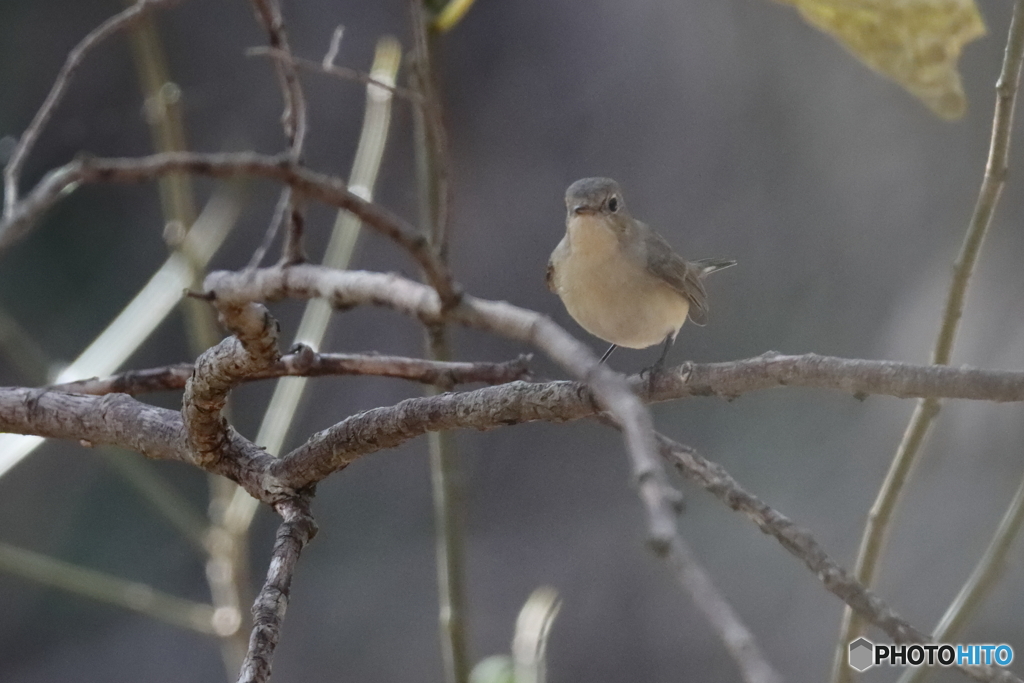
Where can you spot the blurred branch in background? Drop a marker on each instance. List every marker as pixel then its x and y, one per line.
pixel 528 663
pixel 433 188
pixel 451 14
pixel 226 559
pixel 12 172
pixel 882 510
pixel 281 410
pixel 533 626
pixel 154 302
pixel 979 584
pixel 737 638
pixel 130 595
pixel 294 121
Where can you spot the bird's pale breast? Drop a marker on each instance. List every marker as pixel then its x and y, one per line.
pixel 610 293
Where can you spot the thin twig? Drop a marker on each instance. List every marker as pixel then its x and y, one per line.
pixel 296 530
pixel 342 72
pixel 327 189
pixel 293 119
pixel 880 516
pixel 118 22
pixel 306 363
pixel 280 209
pixel 332 51
pixel 799 541
pixel 737 638
pixel 978 585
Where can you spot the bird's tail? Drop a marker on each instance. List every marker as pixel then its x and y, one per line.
pixel 709 265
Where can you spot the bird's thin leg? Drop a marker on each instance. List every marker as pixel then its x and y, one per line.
pixel 659 364
pixel 608 353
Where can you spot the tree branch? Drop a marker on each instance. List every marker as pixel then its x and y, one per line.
pixel 293 119
pixel 347 288
pixel 220 369
pixel 731 630
pixel 157 432
pixel 118 22
pixel 328 69
pixel 327 189
pixel 296 530
pixel 304 362
pixel 799 541
pixel 883 508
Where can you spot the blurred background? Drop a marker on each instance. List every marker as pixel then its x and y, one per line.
pixel 737 131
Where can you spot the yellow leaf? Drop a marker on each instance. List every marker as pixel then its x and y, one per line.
pixel 914 42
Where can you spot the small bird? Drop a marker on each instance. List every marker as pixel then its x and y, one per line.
pixel 620 280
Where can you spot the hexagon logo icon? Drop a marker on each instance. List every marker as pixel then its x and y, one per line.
pixel 862 654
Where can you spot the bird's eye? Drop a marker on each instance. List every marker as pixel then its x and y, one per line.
pixel 613 204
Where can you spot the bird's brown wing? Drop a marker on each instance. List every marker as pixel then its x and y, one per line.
pixel 683 277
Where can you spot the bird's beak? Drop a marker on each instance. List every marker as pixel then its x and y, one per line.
pixel 581 209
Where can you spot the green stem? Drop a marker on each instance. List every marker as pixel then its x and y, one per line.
pixel 881 513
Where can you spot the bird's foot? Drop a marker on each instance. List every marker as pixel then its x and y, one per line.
pixel 652 373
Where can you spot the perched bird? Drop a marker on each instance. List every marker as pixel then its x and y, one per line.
pixel 620 280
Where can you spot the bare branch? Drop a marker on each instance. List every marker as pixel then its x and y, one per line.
pixel 155 432
pixel 342 72
pixel 306 363
pixel 799 541
pixel 347 288
pixel 293 119
pixel 855 376
pixel 108 28
pixel 731 630
pixel 327 189
pixel 296 530
pixel 220 369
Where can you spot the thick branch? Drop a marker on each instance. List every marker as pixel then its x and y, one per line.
pixel 349 288
pixel 855 376
pixel 327 189
pixel 156 433
pixel 252 349
pixel 304 362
